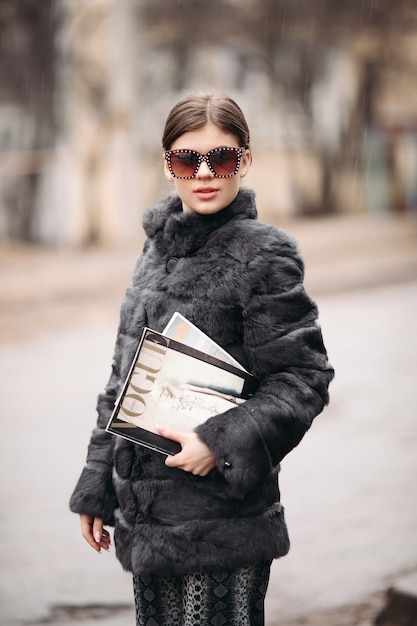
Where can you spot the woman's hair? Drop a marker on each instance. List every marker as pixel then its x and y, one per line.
pixel 199 109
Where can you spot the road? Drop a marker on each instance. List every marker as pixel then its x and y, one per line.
pixel 349 488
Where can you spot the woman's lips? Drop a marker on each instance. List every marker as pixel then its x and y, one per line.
pixel 206 193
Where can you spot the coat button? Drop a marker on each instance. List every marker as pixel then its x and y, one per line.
pixel 171 263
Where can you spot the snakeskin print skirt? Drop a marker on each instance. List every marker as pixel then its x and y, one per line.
pixel 216 599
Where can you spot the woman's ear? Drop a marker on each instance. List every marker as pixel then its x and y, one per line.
pixel 245 163
pixel 167 173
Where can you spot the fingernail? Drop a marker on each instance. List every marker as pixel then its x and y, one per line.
pixel 97 536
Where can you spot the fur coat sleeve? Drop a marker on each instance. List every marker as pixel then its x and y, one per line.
pixel 94 493
pixel 284 348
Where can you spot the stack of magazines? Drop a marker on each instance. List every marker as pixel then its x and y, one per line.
pixel 178 379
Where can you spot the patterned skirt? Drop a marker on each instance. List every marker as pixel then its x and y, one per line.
pixel 216 599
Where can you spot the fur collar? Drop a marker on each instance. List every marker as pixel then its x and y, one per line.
pixel 176 233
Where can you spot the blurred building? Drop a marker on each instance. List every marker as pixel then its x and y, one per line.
pixel 328 88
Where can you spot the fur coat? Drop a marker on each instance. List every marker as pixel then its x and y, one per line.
pixel 240 281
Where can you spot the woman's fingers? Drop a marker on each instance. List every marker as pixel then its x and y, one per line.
pixel 97 529
pixel 93 532
pixel 175 435
pixel 195 457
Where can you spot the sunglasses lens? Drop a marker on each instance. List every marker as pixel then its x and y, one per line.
pixel 184 163
pixel 224 162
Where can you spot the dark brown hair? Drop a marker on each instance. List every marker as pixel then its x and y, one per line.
pixel 199 109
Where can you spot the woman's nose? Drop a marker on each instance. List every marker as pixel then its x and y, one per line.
pixel 204 171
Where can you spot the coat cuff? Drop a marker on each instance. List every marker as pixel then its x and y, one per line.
pixel 241 455
pixel 94 495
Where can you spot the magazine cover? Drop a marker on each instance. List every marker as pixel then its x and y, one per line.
pixel 176 386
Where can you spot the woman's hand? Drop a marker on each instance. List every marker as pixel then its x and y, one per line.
pixel 93 532
pixel 195 457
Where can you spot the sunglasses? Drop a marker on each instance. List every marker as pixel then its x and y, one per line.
pixel 222 162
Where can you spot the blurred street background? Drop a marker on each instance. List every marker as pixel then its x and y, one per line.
pixel 330 93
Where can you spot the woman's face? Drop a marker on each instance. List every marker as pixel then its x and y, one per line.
pixel 206 193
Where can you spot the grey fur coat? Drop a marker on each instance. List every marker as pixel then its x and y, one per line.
pixel 240 281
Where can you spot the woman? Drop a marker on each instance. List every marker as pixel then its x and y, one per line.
pixel 199 529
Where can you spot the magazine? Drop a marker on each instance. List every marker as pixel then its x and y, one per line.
pixel 176 386
pixel 183 330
